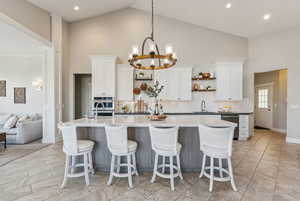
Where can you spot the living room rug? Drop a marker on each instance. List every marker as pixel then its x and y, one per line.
pixel 14 152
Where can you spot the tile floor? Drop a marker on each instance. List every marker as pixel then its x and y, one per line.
pixel 266 169
pixel 13 152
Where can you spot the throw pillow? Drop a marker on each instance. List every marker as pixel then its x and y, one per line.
pixel 4 118
pixel 22 118
pixel 11 122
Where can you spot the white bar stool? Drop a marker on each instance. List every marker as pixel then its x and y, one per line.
pixel 216 143
pixel 74 148
pixel 120 146
pixel 164 143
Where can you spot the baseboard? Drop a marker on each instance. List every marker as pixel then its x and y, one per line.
pixel 292 140
pixel 282 131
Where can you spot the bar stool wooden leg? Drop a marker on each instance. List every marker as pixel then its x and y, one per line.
pixel 73 161
pixel 220 167
pixel 91 166
pixel 231 175
pixel 129 170
pixel 118 163
pixel 203 166
pixel 172 173
pixel 112 169
pixel 211 181
pixel 164 164
pixel 86 169
pixel 134 164
pixel 67 164
pixel 155 168
pixel 179 167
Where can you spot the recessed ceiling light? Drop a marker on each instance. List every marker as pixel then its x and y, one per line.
pixel 76 8
pixel 267 16
pixel 228 5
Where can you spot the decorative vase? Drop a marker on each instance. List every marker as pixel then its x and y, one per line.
pixel 156 107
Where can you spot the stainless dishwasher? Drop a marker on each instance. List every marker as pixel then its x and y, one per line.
pixel 234 118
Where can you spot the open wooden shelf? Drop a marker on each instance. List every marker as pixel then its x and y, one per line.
pixel 146 79
pixel 210 78
pixel 204 90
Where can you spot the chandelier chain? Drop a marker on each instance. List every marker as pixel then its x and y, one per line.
pixel 152 21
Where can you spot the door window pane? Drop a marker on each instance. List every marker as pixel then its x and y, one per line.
pixel 263 98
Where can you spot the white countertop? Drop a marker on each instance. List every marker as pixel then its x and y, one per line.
pixel 143 121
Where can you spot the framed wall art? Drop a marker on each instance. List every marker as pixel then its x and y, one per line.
pixel 20 95
pixel 2 88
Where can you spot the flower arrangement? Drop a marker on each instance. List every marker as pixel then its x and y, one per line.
pixel 154 91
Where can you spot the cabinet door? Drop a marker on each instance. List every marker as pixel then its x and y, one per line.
pixel 184 84
pixel 124 82
pixel 236 81
pixel 104 76
pixel 229 81
pixel 223 89
pixel 99 82
pixel 177 83
pixel 167 78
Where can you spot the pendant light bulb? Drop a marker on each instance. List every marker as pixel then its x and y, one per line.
pixel 135 50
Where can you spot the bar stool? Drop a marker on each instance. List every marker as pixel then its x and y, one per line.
pixel 120 146
pixel 164 143
pixel 216 143
pixel 74 148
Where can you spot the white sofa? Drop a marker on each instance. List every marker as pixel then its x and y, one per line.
pixel 24 132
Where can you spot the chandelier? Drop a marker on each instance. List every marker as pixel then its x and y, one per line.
pixel 153 60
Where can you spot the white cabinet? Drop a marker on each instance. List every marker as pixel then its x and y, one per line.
pixel 177 83
pixel 124 82
pixel 103 76
pixel 245 127
pixel 229 81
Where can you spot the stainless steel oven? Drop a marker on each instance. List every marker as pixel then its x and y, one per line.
pixel 234 118
pixel 103 106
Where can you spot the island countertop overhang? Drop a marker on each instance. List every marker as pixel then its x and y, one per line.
pixel 143 121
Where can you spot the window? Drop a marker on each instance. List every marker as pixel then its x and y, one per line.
pixel 263 98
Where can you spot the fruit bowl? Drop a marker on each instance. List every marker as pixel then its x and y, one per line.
pixel 157 117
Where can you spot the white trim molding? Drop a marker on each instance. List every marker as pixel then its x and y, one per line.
pixel 278 130
pixel 292 140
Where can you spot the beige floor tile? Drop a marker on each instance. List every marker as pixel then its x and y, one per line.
pixel 266 169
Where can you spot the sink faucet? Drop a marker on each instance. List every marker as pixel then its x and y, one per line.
pixel 203 106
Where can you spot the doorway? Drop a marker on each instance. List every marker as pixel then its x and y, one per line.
pixel 264 106
pixel 83 95
pixel 271 100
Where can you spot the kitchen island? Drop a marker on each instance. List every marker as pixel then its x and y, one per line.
pixel 138 130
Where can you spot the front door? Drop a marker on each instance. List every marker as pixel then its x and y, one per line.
pixel 264 106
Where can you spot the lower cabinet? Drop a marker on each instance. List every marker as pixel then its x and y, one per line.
pixel 245 126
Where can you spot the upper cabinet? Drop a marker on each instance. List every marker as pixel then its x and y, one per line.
pixel 177 83
pixel 229 81
pixel 124 82
pixel 103 76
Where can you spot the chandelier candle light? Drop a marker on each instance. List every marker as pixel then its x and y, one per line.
pixel 169 59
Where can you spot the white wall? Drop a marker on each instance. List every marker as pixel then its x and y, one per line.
pixel 20 71
pixel 116 32
pixel 277 51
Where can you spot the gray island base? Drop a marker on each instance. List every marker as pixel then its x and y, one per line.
pixel 138 130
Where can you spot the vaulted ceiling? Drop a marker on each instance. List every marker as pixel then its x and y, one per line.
pixel 244 18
